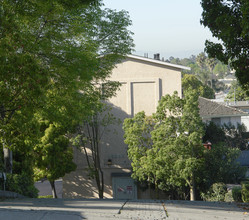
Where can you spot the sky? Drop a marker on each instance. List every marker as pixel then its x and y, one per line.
pixel 168 27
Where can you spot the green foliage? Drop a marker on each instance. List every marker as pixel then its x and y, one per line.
pixel 50 51
pixel 221 166
pixel 206 70
pixel 216 192
pixel 166 149
pixel 213 133
pixel 228 21
pixel 245 191
pixel 234 136
pixel 53 55
pixel 237 93
pixel 138 138
pixel 22 184
pixel 220 70
pixel 190 82
pixel 231 136
pixel 229 196
pixel 236 193
pixel 53 155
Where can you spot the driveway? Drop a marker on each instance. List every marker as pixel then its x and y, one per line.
pixel 64 209
pixel 44 188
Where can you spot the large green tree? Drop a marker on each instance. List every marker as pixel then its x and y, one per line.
pixel 42 47
pixel 166 149
pixel 53 55
pixel 228 21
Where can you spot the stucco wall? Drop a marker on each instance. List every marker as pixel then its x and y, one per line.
pixel 142 85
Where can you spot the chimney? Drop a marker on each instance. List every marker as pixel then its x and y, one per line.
pixel 157 56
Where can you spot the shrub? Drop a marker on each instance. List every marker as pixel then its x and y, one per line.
pixel 45 197
pixel 22 184
pixel 229 196
pixel 245 191
pixel 216 192
pixel 236 192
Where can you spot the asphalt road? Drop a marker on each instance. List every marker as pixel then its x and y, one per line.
pixel 65 209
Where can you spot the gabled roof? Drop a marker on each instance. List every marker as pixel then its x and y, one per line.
pixel 150 60
pixel 211 109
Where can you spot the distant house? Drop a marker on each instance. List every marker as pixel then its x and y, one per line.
pixel 228 80
pixel 240 105
pixel 219 113
pixel 143 82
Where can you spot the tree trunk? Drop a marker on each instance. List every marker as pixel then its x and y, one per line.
pixel 101 194
pixel 53 189
pixel 192 190
pixel 157 190
pixel 7 159
pixel 100 183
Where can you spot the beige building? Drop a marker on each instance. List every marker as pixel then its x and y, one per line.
pixel 143 82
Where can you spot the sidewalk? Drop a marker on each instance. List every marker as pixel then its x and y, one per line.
pixel 94 209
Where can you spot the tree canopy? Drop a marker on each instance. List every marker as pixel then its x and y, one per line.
pixel 205 69
pixel 190 82
pixel 49 51
pixel 53 55
pixel 166 149
pixel 228 21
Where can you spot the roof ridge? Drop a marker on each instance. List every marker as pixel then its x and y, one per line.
pixel 158 61
pixel 218 105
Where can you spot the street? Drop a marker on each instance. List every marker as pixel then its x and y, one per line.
pixel 53 209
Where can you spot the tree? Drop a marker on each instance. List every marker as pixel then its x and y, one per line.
pixel 221 70
pixel 220 166
pixel 53 156
pixel 237 93
pixel 206 65
pixel 40 49
pixel 113 41
pixel 53 54
pixel 211 64
pixel 228 21
pixel 140 148
pixel 89 140
pixel 232 136
pixel 166 149
pixel 190 82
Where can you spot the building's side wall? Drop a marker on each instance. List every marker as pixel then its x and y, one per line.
pixel 245 121
pixel 231 120
pixel 234 120
pixel 142 85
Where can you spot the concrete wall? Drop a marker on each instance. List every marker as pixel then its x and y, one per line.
pixel 143 84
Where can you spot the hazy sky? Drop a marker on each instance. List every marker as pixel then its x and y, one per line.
pixel 168 27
